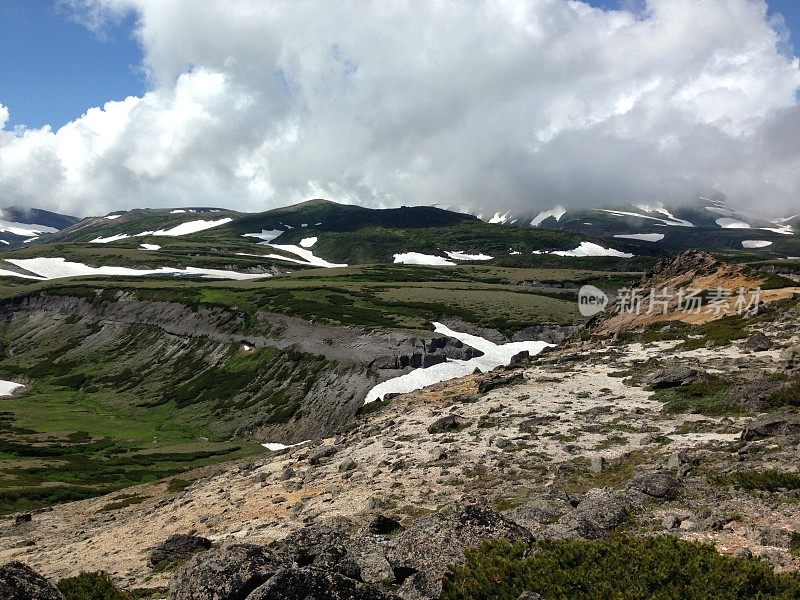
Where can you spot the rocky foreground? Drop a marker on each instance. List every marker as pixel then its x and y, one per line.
pixel 577 444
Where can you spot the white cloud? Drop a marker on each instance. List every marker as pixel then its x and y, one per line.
pixel 500 103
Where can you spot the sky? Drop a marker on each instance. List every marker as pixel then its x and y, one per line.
pixel 501 104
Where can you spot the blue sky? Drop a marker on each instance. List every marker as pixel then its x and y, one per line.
pixel 53 69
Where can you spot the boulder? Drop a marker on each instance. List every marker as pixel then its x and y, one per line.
pixel 599 513
pixel 383 525
pixel 321 454
pixel 321 547
pixel 674 377
pixel 19 582
pixel 421 554
pixel 448 423
pixel 781 424
pixel 659 485
pixel 496 381
pixel 177 548
pixel 757 342
pixel 308 583
pixel 229 573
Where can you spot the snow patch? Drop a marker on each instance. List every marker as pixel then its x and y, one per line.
pixel 149 246
pixel 645 237
pixel 557 212
pixel 265 235
pixel 494 355
pixel 112 217
pixel 187 228
pixel 417 258
pixel 498 218
pixel 7 388
pixel 673 221
pixel 728 223
pixel 177 211
pixel 308 242
pixel 307 256
pixel 113 238
pixel 590 249
pixel 455 255
pixel 57 268
pixel 755 244
pixel 275 446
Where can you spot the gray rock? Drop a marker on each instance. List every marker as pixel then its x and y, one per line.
pixel 660 485
pixel 782 424
pixel 321 547
pixel 308 583
pixel 744 553
pixel 530 596
pixel 448 423
pixel 19 582
pixel 320 454
pixel 600 512
pixel 674 377
pixel 229 573
pixel 757 342
pixel 424 550
pixel 671 522
pixel 177 548
pixel 383 525
pixel 598 464
pixel 774 536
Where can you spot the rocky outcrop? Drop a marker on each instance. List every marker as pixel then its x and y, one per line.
pixel 229 573
pixel 177 548
pixel 309 583
pixel 771 425
pixel 19 582
pixel 674 377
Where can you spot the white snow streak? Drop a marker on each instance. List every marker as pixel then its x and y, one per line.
pixel 755 244
pixel 417 258
pixel 57 268
pixel 645 237
pixel 308 242
pixel 455 255
pixel 7 388
pixel 557 212
pixel 494 355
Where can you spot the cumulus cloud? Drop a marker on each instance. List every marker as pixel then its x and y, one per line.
pixel 502 103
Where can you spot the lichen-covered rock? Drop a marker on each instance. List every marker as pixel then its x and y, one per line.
pixel 308 583
pixel 660 485
pixel 229 573
pixel 432 543
pixel 674 377
pixel 177 548
pixel 772 425
pixel 19 582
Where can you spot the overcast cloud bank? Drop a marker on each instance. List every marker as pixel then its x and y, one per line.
pixel 490 104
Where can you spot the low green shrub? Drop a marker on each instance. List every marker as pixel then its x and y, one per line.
pixel 623 568
pixel 91 586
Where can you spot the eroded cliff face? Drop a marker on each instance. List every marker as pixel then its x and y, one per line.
pixel 261 375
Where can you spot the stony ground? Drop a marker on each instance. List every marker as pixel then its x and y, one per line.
pixel 571 445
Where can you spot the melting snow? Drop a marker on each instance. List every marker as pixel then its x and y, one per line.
pixel 674 221
pixel 591 249
pixel 557 212
pixel 24 229
pixel 56 268
pixel 727 223
pixel 307 256
pixel 177 211
pixel 645 237
pixel 265 235
pixel 112 217
pixel 113 238
pixel 755 244
pixel 28 241
pixel 150 246
pixel 8 387
pixel 464 256
pixel 308 242
pixel 417 258
pixel 187 228
pixel 498 218
pixel 782 229
pixel 494 355
pixel 275 446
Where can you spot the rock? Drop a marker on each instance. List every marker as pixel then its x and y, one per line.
pixel 448 423
pixel 439 454
pixel 598 464
pixel 774 536
pixel 23 518
pixel 286 473
pixel 308 583
pixel 320 454
pixel 177 548
pixel 19 582
pixel 674 377
pixel 600 512
pixel 783 424
pixel 383 525
pixel 496 381
pixel 790 357
pixel 671 522
pixel 744 553
pixel 530 596
pixel 422 553
pixel 321 547
pixel 757 342
pixel 229 573
pixel 348 464
pixel 660 485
